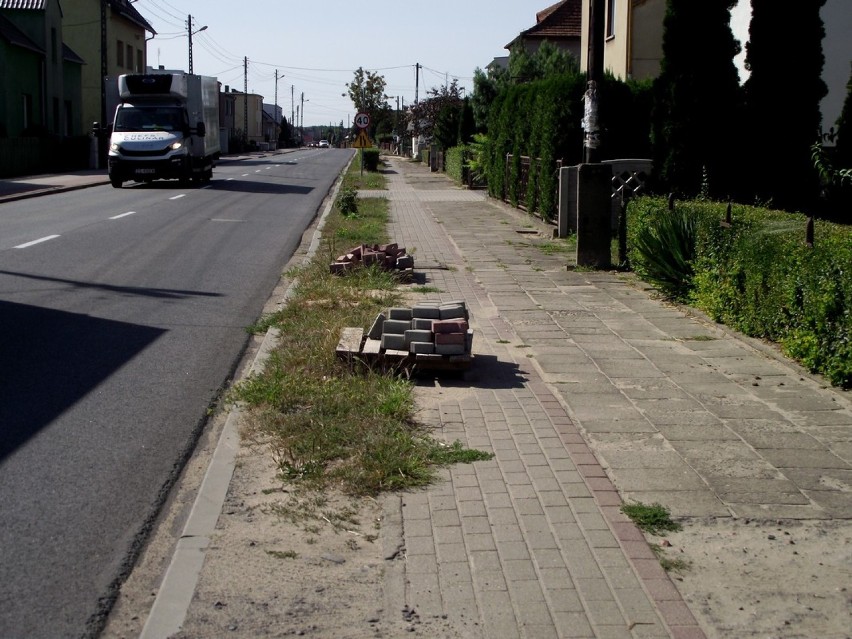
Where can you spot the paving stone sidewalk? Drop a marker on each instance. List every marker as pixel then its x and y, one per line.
pixel 589 391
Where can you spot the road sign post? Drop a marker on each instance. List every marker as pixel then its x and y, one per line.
pixel 362 121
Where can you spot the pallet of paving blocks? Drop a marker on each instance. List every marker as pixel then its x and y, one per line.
pixel 433 335
pixel 390 257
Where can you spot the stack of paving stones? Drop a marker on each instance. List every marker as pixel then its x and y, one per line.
pixel 391 257
pixel 426 329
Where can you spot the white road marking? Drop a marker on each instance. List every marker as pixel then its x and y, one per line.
pixel 177 197
pixel 38 241
pixel 117 217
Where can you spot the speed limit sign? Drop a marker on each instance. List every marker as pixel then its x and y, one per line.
pixel 362 120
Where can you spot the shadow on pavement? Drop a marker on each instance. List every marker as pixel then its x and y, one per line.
pixel 50 359
pixel 486 372
pixel 249 186
pixel 167 293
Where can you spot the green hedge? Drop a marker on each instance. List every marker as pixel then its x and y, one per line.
pixel 542 120
pixel 759 276
pixel 454 160
pixel 371 159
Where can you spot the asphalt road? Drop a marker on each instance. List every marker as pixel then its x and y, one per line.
pixel 122 316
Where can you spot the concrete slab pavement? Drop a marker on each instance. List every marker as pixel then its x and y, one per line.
pixel 596 393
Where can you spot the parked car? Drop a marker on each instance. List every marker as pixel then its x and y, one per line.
pixel 323 144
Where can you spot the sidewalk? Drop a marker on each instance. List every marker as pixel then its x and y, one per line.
pixel 590 393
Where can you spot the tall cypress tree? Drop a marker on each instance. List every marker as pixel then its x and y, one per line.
pixel 843 155
pixel 782 95
pixel 698 100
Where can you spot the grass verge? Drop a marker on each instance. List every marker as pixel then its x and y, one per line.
pixel 326 422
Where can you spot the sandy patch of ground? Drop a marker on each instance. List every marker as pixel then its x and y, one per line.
pixel 337 571
pixel 768 579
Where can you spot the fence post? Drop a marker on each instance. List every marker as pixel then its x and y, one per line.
pixel 623 261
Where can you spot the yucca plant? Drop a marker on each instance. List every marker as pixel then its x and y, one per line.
pixel 665 249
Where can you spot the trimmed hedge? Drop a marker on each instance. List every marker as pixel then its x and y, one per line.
pixel 371 159
pixel 759 276
pixel 454 161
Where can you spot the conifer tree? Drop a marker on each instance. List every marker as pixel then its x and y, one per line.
pixel 843 155
pixel 697 100
pixel 782 95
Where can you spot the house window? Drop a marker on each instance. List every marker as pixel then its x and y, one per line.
pixel 140 62
pixel 130 57
pixel 53 46
pixel 119 54
pixel 610 18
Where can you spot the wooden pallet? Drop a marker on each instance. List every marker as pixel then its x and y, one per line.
pixel 353 345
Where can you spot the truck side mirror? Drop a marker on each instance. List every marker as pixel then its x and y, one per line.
pixel 200 129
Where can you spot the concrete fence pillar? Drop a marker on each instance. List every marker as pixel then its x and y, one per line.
pixel 594 219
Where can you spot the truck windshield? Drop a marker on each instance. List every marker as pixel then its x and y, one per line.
pixel 150 119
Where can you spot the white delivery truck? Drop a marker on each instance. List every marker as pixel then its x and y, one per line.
pixel 165 126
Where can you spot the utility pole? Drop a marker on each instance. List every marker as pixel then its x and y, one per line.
pixel 292 107
pixel 276 121
pixel 591 123
pixel 416 83
pixel 245 99
pixel 302 125
pixel 189 35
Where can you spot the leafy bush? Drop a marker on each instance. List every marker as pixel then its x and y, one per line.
pixel 756 275
pixel 665 251
pixel 347 202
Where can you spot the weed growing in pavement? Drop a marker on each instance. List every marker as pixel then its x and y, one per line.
pixel 327 422
pixel 286 554
pixel 656 520
pixel 670 564
pixel 455 453
pixel 426 289
pixel 653 518
pixel 557 247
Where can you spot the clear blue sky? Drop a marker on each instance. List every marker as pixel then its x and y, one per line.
pixel 316 45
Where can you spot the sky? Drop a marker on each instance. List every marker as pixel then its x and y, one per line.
pixel 315 46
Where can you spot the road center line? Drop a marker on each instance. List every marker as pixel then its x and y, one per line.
pixel 177 197
pixel 38 241
pixel 116 217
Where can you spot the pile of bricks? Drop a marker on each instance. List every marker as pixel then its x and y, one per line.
pixel 428 335
pixel 425 329
pixel 391 257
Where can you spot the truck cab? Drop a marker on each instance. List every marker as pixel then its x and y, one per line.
pixel 160 128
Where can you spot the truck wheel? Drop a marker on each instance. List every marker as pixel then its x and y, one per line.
pixel 116 183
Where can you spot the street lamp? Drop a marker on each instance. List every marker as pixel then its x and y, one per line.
pixel 191 33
